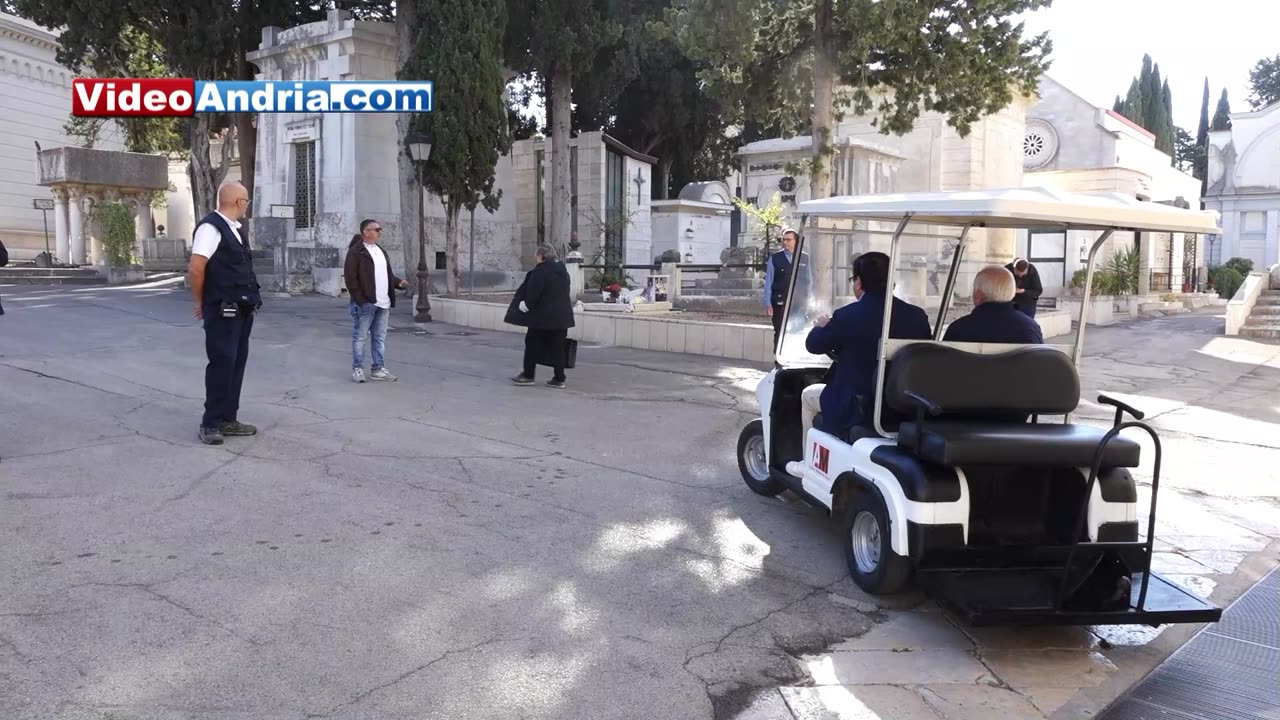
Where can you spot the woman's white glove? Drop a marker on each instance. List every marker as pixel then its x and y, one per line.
pixel 523 308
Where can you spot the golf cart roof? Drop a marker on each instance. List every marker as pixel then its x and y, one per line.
pixel 1019 208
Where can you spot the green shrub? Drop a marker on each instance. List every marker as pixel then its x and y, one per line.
pixel 119 236
pixel 1103 282
pixel 1122 268
pixel 1244 266
pixel 1227 280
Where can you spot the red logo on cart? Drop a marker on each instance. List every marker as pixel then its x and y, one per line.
pixel 820 457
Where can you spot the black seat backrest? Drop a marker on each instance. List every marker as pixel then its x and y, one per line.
pixel 1029 380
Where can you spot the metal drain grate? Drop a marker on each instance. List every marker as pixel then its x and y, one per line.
pixel 1227 671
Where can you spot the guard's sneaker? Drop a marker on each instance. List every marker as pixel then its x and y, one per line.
pixel 522 380
pixel 357 375
pixel 795 469
pixel 557 384
pixel 238 429
pixel 210 435
pixel 382 374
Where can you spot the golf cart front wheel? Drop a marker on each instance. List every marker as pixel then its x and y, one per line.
pixel 753 462
pixel 873 564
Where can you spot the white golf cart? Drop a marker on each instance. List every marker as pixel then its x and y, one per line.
pixel 966 478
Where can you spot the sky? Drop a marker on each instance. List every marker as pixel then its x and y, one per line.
pixel 1099 44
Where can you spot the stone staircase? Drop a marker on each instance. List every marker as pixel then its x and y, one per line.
pixel 724 294
pixel 31 275
pixel 1264 321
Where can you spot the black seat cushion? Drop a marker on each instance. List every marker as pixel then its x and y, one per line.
pixel 997 443
pixel 1032 380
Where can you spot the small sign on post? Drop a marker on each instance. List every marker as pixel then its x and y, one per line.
pixel 44 205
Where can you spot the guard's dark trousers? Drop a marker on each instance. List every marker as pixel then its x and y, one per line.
pixel 226 342
pixel 544 347
pixel 779 312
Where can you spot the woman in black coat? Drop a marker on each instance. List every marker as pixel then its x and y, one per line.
pixel 542 304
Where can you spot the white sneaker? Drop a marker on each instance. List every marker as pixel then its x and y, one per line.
pixel 795 469
pixel 357 374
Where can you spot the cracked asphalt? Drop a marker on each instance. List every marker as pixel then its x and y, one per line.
pixel 452 546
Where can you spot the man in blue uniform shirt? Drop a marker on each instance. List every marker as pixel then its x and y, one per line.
pixel 777 278
pixel 853 335
pixel 995 317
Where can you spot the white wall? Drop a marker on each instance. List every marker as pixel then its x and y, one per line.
pixel 36 100
pixel 639 236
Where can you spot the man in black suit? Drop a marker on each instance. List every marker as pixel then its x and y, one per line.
pixel 1027 279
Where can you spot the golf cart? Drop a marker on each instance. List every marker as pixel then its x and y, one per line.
pixel 970 476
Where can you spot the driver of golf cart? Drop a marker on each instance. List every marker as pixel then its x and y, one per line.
pixel 852 336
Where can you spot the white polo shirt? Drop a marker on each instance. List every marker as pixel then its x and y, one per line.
pixel 381 294
pixel 207 237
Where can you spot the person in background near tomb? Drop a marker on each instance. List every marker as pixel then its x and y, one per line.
pixel 994 318
pixel 1029 287
pixel 371 285
pixel 777 279
pixel 227 296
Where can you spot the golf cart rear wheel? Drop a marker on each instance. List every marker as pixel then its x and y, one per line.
pixel 753 461
pixel 873 564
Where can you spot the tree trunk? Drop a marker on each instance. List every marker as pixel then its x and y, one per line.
pixel 246 137
pixel 664 172
pixel 823 84
pixel 410 198
pixel 561 113
pixel 453 246
pixel 820 177
pixel 205 178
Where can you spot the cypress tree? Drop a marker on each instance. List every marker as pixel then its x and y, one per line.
pixel 1202 140
pixel 1133 102
pixel 1147 91
pixel 1222 117
pixel 1166 120
pixel 1119 106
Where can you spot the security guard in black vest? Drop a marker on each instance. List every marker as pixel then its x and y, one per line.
pixel 777 279
pixel 227 296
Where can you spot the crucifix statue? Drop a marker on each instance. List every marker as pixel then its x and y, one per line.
pixel 639 180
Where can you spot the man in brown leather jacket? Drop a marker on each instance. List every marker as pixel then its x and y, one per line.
pixel 371 285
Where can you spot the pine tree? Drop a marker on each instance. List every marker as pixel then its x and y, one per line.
pixel 1222 116
pixel 797 65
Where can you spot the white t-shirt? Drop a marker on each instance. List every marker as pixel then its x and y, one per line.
pixel 379 276
pixel 207 237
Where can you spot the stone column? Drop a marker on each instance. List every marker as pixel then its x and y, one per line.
pixel 1271 251
pixel 141 221
pixel 76 226
pixel 93 231
pixel 62 238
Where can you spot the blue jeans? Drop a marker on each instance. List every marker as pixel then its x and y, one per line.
pixel 368 320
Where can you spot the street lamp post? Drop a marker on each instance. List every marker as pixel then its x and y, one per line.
pixel 420 149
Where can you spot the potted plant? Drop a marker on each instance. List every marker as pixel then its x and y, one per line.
pixel 119 243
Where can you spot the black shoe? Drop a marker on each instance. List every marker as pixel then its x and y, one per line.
pixel 238 429
pixel 210 436
pixel 557 384
pixel 522 380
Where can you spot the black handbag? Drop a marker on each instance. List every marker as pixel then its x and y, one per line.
pixel 570 355
pixel 514 316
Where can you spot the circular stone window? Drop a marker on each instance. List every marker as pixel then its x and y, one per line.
pixel 1039 145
